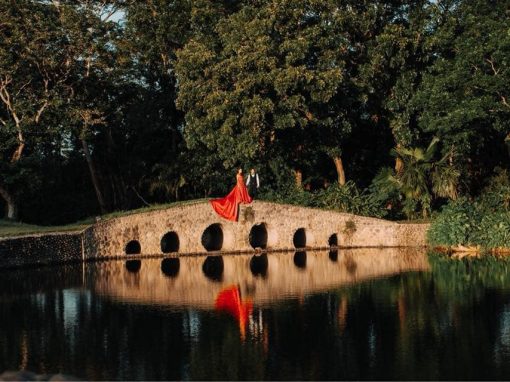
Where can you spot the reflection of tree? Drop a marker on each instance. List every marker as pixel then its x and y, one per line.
pixel 443 324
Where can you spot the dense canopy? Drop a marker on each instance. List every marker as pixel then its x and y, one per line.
pixel 383 107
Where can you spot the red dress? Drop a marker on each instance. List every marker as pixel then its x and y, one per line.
pixel 228 206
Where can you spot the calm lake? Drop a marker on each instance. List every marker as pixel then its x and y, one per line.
pixel 351 314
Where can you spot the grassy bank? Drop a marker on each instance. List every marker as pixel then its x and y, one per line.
pixel 10 228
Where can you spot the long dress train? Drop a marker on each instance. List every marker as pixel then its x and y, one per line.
pixel 228 207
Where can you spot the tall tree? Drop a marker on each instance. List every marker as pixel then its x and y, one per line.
pixel 35 65
pixel 266 81
pixel 154 31
pixel 464 97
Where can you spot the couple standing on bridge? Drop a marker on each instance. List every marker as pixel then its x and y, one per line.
pixel 228 207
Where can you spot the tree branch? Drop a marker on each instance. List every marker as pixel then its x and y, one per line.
pixel 504 101
pixel 22 87
pixel 40 111
pixel 6 99
pixel 492 66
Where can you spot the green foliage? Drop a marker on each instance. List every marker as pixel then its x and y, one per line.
pixel 350 227
pixel 262 83
pixel 484 222
pixel 289 194
pixel 455 224
pixel 463 97
pixel 349 198
pixel 346 198
pixel 494 230
pixel 116 104
pixel 9 228
pixel 419 179
pixel 496 195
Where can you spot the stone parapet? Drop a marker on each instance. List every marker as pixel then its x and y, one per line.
pixel 196 228
pixel 44 249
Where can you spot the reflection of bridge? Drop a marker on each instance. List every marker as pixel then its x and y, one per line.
pixel 196 281
pixel 195 228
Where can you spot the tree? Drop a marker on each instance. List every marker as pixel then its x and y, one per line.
pixel 265 83
pixel 421 178
pixel 463 98
pixel 34 67
pixel 393 70
pixel 151 124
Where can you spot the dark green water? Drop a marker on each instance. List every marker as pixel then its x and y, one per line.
pixel 354 315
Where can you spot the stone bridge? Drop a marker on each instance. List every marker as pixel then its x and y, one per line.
pixel 196 228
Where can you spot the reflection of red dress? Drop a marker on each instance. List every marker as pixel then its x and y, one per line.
pixel 229 205
pixel 229 300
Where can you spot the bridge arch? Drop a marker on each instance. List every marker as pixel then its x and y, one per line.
pixel 299 238
pixel 333 240
pixel 212 237
pixel 170 242
pixel 197 228
pixel 217 237
pixel 258 236
pixel 133 247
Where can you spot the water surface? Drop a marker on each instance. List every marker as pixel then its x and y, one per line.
pixel 353 314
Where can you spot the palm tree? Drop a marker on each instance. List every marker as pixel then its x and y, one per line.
pixel 419 178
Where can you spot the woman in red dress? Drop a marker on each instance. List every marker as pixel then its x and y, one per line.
pixel 228 207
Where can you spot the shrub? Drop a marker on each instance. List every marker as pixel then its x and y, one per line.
pixel 484 222
pixel 455 225
pixel 494 230
pixel 346 198
pixel 289 194
pixel 496 195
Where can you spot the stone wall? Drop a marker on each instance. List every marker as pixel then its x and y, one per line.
pixel 196 228
pixel 278 224
pixel 41 249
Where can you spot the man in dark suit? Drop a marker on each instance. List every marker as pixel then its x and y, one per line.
pixel 253 183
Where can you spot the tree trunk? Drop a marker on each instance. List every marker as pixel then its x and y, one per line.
pixel 339 169
pixel 118 186
pixel 399 164
pixel 12 208
pixel 298 176
pixel 93 176
pixel 16 156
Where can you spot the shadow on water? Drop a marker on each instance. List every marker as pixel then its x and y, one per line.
pixel 300 259
pixel 259 265
pixel 267 277
pixel 170 267
pixel 133 266
pixel 333 255
pixel 213 268
pixel 367 314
